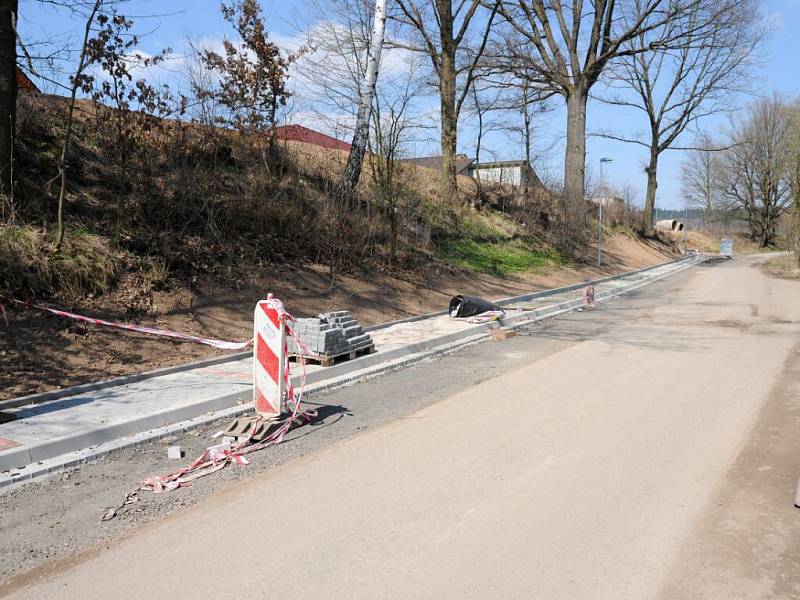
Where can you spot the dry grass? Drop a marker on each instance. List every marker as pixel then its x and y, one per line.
pixel 194 201
pixel 709 242
pixel 330 163
pixel 30 268
pixel 785 266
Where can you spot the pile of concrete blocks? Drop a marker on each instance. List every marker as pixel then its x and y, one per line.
pixel 332 334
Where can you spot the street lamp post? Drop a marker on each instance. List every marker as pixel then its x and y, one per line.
pixel 603 160
pixel 685 226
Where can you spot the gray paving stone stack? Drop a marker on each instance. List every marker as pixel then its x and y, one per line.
pixel 331 334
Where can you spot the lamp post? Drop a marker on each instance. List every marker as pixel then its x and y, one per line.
pixel 603 160
pixel 685 225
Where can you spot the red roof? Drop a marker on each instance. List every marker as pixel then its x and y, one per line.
pixel 298 133
pixel 25 84
pixel 435 162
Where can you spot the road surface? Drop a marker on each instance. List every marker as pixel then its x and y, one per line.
pixel 655 459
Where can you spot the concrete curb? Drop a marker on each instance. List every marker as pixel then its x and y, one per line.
pixel 533 295
pixel 75 390
pixel 47 457
pixel 126 379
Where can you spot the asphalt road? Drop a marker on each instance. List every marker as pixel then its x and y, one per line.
pixel 655 457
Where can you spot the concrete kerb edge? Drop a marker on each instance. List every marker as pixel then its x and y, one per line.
pixel 91 454
pixel 451 343
pixel 133 378
pixel 533 295
pixel 124 380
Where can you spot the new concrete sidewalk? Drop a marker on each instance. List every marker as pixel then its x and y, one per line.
pixel 61 431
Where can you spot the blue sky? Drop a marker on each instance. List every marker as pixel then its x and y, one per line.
pixel 170 22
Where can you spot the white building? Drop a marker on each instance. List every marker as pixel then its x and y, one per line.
pixel 516 173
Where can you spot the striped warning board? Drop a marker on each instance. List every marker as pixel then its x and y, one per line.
pixel 269 358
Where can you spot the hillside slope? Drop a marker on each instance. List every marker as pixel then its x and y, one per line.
pixel 185 227
pixel 39 352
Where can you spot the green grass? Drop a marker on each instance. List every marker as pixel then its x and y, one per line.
pixel 498 258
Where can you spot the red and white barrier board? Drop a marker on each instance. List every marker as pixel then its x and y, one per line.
pixel 269 358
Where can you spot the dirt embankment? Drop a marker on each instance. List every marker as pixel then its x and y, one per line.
pixel 39 352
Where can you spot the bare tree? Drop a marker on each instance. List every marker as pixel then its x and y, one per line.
pixel 501 101
pixel 330 76
pixel 8 91
pixel 793 173
pixel 677 87
pixel 699 175
pixel 204 106
pixel 754 169
pixel 79 80
pixel 330 83
pixel 567 46
pixel 352 171
pixel 393 123
pixel 526 104
pixel 446 33
pixel 484 100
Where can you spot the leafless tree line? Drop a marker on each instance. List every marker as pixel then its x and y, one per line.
pixel 750 170
pixel 675 61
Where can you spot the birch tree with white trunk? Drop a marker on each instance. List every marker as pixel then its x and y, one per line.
pixel 355 159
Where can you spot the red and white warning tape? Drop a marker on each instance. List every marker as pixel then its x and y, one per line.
pixel 214 459
pixel 588 296
pixel 222 344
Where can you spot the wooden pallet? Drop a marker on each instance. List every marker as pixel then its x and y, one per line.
pixel 328 360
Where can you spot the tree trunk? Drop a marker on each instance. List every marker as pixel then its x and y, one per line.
pixel 478 140
pixel 352 171
pixel 449 182
pixel 575 160
pixel 650 196
pixel 526 137
pixel 8 91
pixel 393 229
pixel 447 100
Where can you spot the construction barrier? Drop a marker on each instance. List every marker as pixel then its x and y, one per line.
pixel 269 357
pixel 271 326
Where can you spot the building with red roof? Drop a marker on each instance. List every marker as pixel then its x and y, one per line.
pixel 298 133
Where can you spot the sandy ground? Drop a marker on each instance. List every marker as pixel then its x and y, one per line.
pixel 644 450
pixel 39 352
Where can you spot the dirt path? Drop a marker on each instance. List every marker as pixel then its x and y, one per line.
pixel 584 473
pixel 39 352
